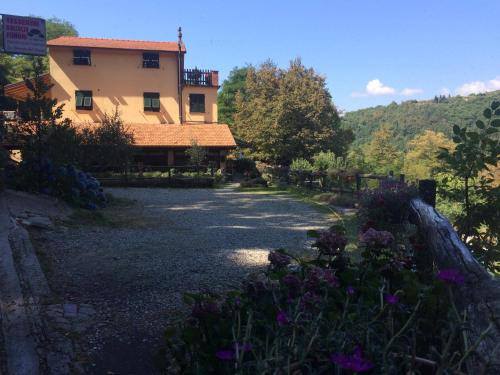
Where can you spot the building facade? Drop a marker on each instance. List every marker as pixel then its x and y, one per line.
pixel 165 105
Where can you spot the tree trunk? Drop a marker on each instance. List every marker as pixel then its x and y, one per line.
pixel 479 295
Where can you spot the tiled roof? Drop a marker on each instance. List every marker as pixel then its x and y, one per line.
pixel 20 91
pixel 176 135
pixel 142 45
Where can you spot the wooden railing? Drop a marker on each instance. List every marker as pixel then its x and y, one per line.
pixel 198 77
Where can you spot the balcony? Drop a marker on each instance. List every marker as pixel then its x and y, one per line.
pixel 200 77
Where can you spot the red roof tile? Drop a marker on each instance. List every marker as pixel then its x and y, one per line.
pixel 20 91
pixel 176 135
pixel 142 45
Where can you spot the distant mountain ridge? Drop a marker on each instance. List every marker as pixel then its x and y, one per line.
pixel 412 117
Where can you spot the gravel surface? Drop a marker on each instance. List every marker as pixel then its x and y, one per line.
pixel 168 241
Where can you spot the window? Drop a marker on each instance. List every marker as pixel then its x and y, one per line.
pixel 83 100
pixel 151 102
pixel 197 103
pixel 150 60
pixel 81 57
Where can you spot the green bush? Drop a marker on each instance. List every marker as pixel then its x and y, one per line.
pixel 324 161
pixel 244 165
pixel 254 182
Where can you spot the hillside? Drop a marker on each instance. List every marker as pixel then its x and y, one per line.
pixel 413 117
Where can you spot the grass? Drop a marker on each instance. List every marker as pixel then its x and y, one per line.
pixel 316 200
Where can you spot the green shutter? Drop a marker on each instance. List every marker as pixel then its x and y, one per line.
pixel 147 102
pixel 79 99
pixel 87 101
pixel 155 103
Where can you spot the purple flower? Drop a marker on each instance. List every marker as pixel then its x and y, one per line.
pixel 391 299
pixel 350 290
pixel 225 355
pixel 278 259
pixel 450 276
pixel 375 238
pixel 354 362
pixel 331 242
pixel 282 318
pixel 330 278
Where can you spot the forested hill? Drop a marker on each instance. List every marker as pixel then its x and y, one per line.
pixel 410 118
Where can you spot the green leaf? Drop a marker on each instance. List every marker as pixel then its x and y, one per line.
pixel 312 233
pixel 495 105
pixel 497 112
pixel 495 123
pixel 491 130
pixel 480 124
pixel 457 139
pixel 487 113
pixel 456 129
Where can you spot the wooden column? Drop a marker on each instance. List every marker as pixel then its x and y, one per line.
pixel 170 158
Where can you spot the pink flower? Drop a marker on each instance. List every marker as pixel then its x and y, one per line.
pixel 391 299
pixel 278 259
pixel 450 276
pixel 375 238
pixel 350 290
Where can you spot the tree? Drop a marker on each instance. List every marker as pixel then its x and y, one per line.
pixel 226 100
pixel 381 154
pixel 287 114
pixel 472 161
pixel 108 145
pixel 421 159
pixel 44 137
pixel 197 154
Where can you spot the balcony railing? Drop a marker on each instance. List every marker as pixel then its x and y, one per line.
pixel 200 77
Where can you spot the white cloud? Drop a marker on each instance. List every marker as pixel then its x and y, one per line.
pixel 410 92
pixel 376 88
pixel 477 87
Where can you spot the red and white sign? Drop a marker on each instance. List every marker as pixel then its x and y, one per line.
pixel 24 35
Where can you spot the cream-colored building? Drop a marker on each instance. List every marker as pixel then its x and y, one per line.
pixel 165 105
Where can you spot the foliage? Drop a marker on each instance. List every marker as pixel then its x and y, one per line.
pixel 381 154
pixel 421 159
pixel 244 166
pixel 300 170
pixel 326 315
pixel 234 84
pixel 107 145
pixel 287 114
pixel 253 182
pixel 410 118
pixel 388 205
pixel 197 154
pixel 323 161
pixel 476 154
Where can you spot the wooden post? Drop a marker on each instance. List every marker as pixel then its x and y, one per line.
pixel 427 191
pixel 358 183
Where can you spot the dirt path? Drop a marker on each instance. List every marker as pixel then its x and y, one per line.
pixel 133 269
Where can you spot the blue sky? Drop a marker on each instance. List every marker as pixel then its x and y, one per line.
pixel 372 51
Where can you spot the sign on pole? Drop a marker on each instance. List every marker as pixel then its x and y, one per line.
pixel 24 35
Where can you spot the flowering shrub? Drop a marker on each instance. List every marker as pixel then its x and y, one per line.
pixel 325 315
pixel 387 205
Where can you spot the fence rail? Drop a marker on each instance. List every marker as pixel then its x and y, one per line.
pixel 197 77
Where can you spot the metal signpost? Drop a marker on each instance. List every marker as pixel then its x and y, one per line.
pixel 23 35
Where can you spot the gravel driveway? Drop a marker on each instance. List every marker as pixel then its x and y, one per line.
pixel 170 241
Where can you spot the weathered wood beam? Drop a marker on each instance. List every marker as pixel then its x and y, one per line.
pixel 479 295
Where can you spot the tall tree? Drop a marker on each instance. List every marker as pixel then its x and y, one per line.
pixel 226 100
pixel 287 114
pixel 381 153
pixel 421 159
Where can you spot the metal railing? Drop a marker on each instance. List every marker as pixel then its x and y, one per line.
pixel 197 77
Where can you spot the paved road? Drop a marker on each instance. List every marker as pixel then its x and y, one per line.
pixel 167 242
